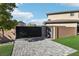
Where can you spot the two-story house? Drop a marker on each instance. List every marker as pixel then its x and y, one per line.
pixel 63 24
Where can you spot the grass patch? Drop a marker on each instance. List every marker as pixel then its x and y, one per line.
pixel 6 49
pixel 72 42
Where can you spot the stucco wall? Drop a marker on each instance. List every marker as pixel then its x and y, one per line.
pixel 63 16
pixel 64 24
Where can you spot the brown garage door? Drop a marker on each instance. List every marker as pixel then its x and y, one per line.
pixel 66 31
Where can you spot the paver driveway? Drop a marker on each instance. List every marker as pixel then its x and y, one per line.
pixel 40 48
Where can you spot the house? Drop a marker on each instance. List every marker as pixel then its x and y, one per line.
pixel 21 23
pixel 63 24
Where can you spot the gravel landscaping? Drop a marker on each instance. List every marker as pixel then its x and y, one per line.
pixel 40 48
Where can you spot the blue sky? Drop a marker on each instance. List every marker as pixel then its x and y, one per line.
pixel 36 13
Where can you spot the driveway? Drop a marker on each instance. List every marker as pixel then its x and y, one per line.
pixel 40 48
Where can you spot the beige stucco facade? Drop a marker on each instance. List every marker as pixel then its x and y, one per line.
pixel 64 16
pixel 62 29
pixel 64 24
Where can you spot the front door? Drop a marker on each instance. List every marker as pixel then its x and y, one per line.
pixel 48 32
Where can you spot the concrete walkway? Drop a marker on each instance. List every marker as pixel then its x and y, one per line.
pixel 40 48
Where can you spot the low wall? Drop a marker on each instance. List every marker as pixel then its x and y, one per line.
pixel 8 34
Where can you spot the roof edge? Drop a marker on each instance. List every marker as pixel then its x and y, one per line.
pixel 63 12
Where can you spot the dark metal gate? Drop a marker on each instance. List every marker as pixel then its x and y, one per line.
pixel 28 32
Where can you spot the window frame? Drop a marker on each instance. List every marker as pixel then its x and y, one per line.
pixel 71 14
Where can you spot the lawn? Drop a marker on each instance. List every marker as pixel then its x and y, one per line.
pixel 72 42
pixel 6 49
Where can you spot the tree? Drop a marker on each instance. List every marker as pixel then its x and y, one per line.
pixel 5 10
pixel 7 25
pixel 5 16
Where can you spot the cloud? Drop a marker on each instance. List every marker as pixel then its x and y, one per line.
pixel 21 15
pixel 37 21
pixel 27 17
pixel 73 4
pixel 17 4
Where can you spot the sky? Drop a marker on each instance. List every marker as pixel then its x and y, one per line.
pixel 37 12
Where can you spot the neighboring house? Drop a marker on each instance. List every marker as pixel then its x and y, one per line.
pixel 20 23
pixel 63 24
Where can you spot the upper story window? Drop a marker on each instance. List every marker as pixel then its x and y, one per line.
pixel 49 19
pixel 78 15
pixel 71 14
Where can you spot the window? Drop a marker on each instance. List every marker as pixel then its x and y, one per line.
pixel 49 19
pixel 71 14
pixel 78 15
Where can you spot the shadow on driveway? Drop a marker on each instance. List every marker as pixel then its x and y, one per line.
pixel 33 39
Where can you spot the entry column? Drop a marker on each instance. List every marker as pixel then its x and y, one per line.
pixel 51 33
pixel 54 32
